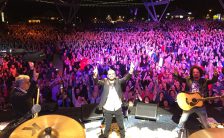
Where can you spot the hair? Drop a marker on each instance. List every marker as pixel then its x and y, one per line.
pixel 111 70
pixel 145 98
pixel 198 68
pixel 171 91
pixel 20 79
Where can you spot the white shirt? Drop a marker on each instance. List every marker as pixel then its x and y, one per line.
pixel 195 86
pixel 113 102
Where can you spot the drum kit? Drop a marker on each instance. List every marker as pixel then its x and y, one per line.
pixel 49 126
pixel 59 126
pixel 208 133
pixel 54 126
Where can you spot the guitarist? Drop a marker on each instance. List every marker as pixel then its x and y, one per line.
pixel 195 83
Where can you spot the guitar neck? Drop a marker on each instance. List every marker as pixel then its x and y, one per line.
pixel 210 98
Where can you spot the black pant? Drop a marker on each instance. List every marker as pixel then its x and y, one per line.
pixel 108 119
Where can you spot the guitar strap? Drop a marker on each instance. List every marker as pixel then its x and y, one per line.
pixel 204 85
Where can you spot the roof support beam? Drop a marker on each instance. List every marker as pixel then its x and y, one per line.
pixel 222 3
pixel 3 4
pixel 67 9
pixel 151 8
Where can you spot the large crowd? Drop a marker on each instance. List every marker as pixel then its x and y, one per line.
pixel 156 49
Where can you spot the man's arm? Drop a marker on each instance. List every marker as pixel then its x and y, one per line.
pixel 125 78
pixel 32 91
pixel 33 81
pixel 97 81
pixel 214 78
pixel 178 77
pixel 95 78
pixel 128 76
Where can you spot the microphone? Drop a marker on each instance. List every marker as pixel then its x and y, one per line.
pixel 35 109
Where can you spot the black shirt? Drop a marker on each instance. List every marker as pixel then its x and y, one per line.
pixel 23 102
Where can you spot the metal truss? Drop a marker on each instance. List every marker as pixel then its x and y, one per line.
pixel 99 3
pixel 222 3
pixel 150 6
pixel 3 4
pixel 67 9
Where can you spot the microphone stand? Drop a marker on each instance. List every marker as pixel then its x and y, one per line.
pixel 16 122
pixel 12 125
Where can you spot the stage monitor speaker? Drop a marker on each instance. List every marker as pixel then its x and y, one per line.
pixel 146 111
pixel 49 107
pixel 89 112
pixel 72 112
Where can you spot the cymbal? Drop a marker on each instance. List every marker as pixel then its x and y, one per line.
pixel 57 126
pixel 209 133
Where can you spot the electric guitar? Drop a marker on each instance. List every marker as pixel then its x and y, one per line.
pixel 187 101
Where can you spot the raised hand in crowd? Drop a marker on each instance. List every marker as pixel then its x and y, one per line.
pixel 131 70
pixel 95 72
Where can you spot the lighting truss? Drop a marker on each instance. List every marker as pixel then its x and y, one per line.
pixel 150 6
pixel 222 3
pixel 3 4
pixel 98 3
pixel 72 7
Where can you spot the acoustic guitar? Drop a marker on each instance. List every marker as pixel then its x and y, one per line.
pixel 187 101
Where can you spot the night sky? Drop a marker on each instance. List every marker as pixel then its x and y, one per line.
pixel 18 10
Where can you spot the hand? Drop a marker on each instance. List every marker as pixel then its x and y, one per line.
pixel 35 75
pixel 175 71
pixel 31 64
pixel 132 66
pixel 95 72
pixel 64 96
pixel 216 72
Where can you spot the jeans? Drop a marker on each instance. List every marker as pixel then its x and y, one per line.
pixel 108 120
pixel 201 112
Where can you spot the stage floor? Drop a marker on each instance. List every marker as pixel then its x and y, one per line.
pixel 135 128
